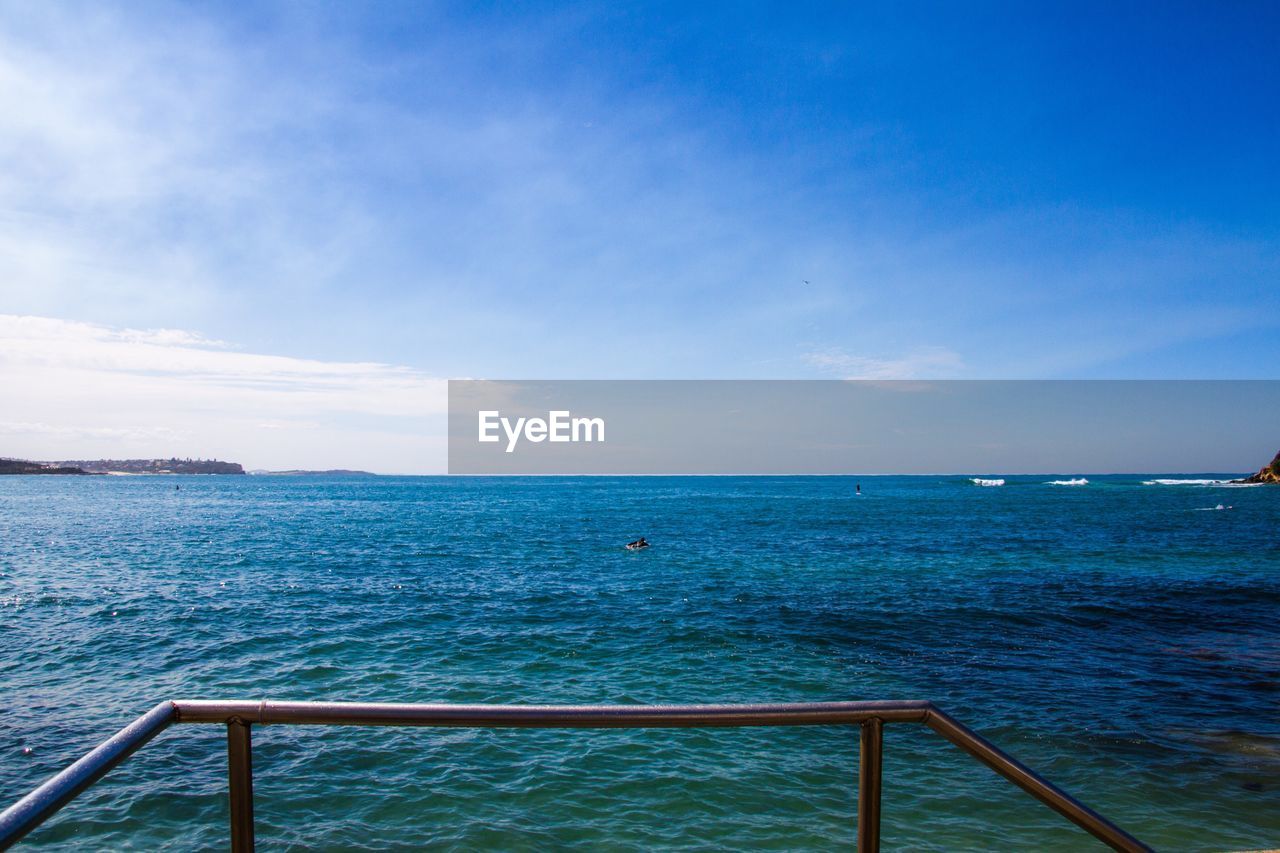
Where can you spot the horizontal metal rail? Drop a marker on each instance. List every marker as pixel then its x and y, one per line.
pixel 240 716
pixel 550 716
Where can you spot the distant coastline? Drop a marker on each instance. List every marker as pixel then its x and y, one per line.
pixel 23 466
pixel 172 465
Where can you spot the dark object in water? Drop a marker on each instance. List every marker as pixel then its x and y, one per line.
pixel 638 544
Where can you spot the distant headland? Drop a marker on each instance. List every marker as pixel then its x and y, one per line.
pixel 153 466
pixel 1268 474
pixel 173 465
pixel 121 466
pixel 22 466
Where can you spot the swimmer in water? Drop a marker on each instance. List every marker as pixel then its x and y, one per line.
pixel 637 545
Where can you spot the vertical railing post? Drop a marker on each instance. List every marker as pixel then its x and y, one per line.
pixel 240 781
pixel 869 765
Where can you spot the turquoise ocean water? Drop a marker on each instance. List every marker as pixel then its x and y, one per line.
pixel 1121 638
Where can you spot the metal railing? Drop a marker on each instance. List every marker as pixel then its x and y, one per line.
pixel 239 717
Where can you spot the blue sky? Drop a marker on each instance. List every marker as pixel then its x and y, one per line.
pixel 625 191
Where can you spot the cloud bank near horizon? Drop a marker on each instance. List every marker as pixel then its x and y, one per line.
pixel 82 390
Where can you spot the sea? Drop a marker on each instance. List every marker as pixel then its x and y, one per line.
pixel 1120 636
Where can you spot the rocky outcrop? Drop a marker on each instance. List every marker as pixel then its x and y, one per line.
pixel 1269 474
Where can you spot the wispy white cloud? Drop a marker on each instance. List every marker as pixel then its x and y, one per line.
pixel 164 172
pixel 151 168
pixel 298 186
pixel 78 389
pixel 922 363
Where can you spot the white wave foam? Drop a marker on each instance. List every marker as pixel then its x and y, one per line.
pixel 1079 481
pixel 978 481
pixel 1184 482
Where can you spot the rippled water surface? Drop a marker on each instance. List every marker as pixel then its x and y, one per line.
pixel 1123 639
